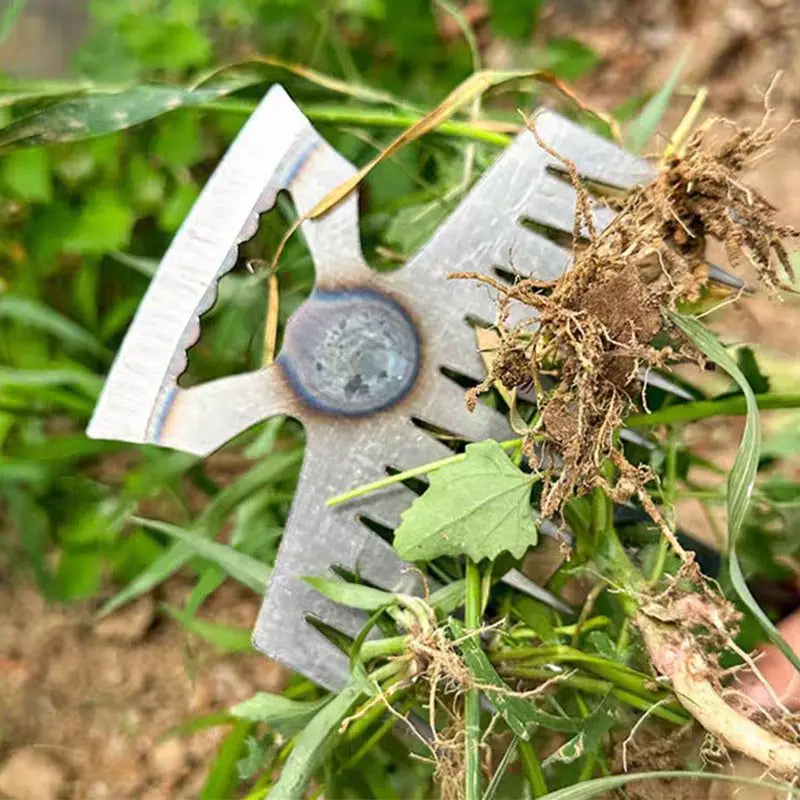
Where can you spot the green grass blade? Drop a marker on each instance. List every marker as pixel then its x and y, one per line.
pixel 102 111
pixel 494 784
pixel 227 637
pixel 9 18
pixel 351 594
pixel 253 574
pixel 223 776
pixel 156 573
pixel 282 714
pixel 520 714
pixel 312 744
pixel 743 473
pixel 640 129
pixel 590 789
pixel 41 317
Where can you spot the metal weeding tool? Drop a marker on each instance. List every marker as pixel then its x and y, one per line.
pixel 363 359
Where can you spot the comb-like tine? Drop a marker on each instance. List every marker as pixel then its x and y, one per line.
pixel 723 278
pixel 659 381
pixel 596 159
pixel 528 254
pixel 191 419
pixel 445 407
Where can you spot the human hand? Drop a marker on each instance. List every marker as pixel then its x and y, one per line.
pixel 778 670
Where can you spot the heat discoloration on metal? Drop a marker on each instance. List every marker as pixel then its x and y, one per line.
pixel 352 437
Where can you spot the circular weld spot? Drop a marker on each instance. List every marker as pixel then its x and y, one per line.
pixel 352 352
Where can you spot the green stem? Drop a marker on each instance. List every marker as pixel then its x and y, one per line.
pixel 670 486
pixel 532 768
pixel 374 118
pixel 599 687
pixel 703 409
pixel 379 648
pixel 368 488
pixel 618 674
pixel 472 703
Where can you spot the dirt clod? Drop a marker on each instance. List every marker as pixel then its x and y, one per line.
pixel 596 327
pixel 31 774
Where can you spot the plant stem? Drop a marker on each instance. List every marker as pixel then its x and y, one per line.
pixel 378 648
pixel 532 768
pixel 601 687
pixel 703 409
pixel 472 704
pixel 368 488
pixel 376 118
pixel 670 481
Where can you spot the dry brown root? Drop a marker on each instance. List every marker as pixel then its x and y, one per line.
pixel 595 326
pixel 675 654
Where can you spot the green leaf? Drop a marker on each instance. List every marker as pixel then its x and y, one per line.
pixel 27 176
pixel 282 714
pixel 41 317
pixel 514 20
pixel 590 789
pixel 639 130
pixel 104 223
pixel 278 465
pixel 746 359
pixel 351 594
pixel 742 475
pixel 100 112
pixel 179 142
pixel 479 506
pixel 226 637
pixel 595 726
pixel 448 598
pixel 519 713
pixel 494 784
pixel 312 744
pixel 9 18
pixel 239 566
pixel 223 775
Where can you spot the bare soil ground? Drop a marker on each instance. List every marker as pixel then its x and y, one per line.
pixel 84 708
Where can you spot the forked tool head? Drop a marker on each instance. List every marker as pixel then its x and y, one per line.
pixel 367 361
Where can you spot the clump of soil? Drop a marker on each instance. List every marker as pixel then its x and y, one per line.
pixel 595 326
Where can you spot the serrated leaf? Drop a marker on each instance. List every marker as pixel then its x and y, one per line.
pixel 520 714
pixel 312 744
pixel 282 714
pixel 479 506
pixel 351 594
pixel 742 475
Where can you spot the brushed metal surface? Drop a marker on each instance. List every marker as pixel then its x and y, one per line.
pixel 364 423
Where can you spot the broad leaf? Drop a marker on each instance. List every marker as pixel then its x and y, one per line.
pixel 479 506
pixel 312 744
pixel 742 475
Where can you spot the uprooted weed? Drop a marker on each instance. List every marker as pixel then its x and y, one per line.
pixel 595 326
